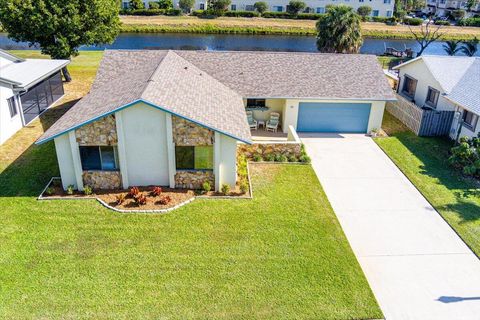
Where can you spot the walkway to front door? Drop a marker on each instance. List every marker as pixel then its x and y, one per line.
pixel 417 266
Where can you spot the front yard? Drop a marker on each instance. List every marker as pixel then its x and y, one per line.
pixel 281 255
pixel 424 162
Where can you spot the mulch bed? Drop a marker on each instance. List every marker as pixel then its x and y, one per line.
pixel 177 196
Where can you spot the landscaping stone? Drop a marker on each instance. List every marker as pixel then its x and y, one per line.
pixel 102 132
pixel 262 149
pixel 102 179
pixel 187 133
pixel 194 179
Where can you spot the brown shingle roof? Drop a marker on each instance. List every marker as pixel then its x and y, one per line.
pixel 207 87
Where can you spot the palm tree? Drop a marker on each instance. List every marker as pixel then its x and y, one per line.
pixel 339 31
pixel 451 47
pixel 469 48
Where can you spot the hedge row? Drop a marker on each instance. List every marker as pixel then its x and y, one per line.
pixel 151 12
pixel 413 21
pixel 469 22
pixel 245 14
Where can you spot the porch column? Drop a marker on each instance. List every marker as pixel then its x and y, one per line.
pixel 77 163
pixel 217 160
pixel 122 153
pixel 170 151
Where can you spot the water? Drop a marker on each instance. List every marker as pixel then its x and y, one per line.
pixel 220 42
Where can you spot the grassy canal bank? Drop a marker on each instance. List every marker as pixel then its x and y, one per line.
pixel 190 24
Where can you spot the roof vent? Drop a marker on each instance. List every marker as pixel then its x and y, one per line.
pixel 186 68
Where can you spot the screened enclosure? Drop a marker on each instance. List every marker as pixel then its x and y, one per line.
pixel 38 98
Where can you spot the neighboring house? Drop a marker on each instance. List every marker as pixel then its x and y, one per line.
pixel 382 8
pixel 27 88
pixel 443 8
pixel 445 83
pixel 174 118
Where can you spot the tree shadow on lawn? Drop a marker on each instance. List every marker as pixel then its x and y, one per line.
pixel 30 171
pixel 434 153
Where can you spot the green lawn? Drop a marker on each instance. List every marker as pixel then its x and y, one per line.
pixel 424 162
pixel 282 255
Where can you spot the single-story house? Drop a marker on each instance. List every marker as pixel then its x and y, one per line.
pixel 445 83
pixel 174 118
pixel 27 88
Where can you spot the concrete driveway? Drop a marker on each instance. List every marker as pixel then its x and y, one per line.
pixel 417 266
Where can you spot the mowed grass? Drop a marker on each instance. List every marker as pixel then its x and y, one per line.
pixel 282 255
pixel 424 161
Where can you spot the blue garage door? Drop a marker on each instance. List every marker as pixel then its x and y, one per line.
pixel 333 117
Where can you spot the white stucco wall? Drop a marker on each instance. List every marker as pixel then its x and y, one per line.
pixel 65 161
pixel 419 71
pixel 8 125
pixel 241 5
pixel 290 113
pixel 225 157
pixel 144 131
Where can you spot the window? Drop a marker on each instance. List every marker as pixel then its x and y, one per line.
pixel 194 158
pixel 387 1
pixel 360 0
pixel 409 86
pixel 233 7
pixel 277 8
pixel 389 13
pixel 432 97
pixel 249 7
pixel 320 10
pixel 255 102
pixel 375 13
pixel 202 6
pixel 99 158
pixel 470 120
pixel 125 5
pixel 12 107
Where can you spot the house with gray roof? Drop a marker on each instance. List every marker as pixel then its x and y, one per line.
pixel 175 118
pixel 28 87
pixel 445 83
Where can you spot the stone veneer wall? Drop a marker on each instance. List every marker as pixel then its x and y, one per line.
pixel 102 132
pixel 187 133
pixel 194 179
pixel 287 149
pixel 102 179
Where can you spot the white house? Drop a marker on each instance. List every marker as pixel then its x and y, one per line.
pixel 380 8
pixel 175 118
pixel 27 88
pixel 443 8
pixel 445 83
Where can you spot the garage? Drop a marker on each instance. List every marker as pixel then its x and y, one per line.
pixel 333 117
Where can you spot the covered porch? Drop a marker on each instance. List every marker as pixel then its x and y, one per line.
pixel 266 118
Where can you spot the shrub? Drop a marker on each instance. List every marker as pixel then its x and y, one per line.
pixel 269 157
pixel 134 191
pixel 245 14
pixel 225 189
pixel 244 186
pixel 280 15
pixel 305 159
pixel 466 156
pixel 153 5
pixel 260 6
pixel 308 16
pixel 206 186
pixel 292 159
pixel 281 158
pixel 186 5
pixel 218 7
pixel 198 13
pixel 49 191
pixel 143 12
pixel 136 4
pixel 364 11
pixel 295 6
pixel 469 22
pixel 165 4
pixel 458 14
pixel 156 191
pixel 87 190
pixel 380 19
pixel 257 157
pixel 140 199
pixel 173 12
pixel 442 23
pixel 120 198
pixel 413 21
pixel 70 189
pixel 164 200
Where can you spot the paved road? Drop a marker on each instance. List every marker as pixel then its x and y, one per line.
pixel 417 266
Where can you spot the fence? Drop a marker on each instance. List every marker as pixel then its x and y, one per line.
pixel 422 122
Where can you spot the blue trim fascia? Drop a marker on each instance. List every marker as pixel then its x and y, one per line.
pixel 129 105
